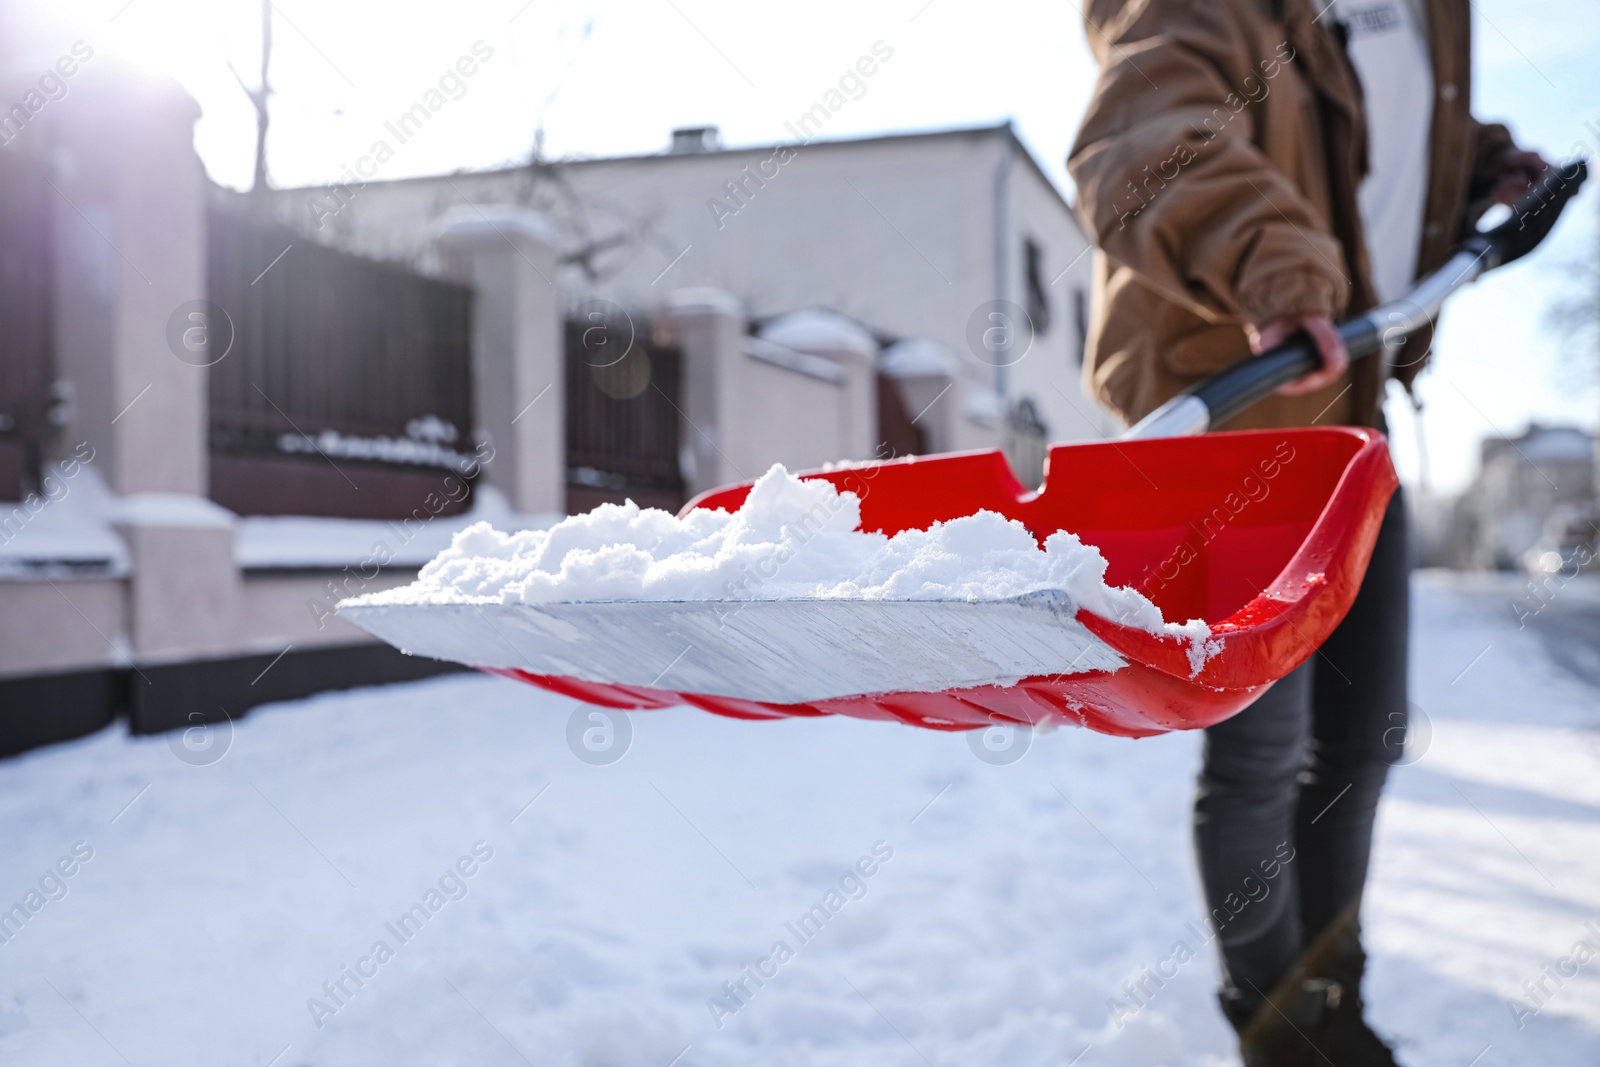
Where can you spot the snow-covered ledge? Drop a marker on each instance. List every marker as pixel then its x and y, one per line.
pixel 184 591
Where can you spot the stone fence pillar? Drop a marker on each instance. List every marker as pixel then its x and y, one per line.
pixel 518 350
pixel 707 325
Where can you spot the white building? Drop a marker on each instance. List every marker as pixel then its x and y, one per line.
pixel 956 239
pixel 1525 482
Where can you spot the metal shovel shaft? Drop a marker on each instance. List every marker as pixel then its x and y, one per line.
pixel 1383 329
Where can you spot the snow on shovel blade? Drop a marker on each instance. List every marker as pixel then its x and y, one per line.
pixel 767 651
pixel 1264 535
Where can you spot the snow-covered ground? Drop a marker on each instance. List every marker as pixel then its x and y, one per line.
pixel 608 903
pixel 75 526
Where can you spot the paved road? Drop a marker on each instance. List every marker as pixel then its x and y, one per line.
pixel 1571 632
pixel 1564 615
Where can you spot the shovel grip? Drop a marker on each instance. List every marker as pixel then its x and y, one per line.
pixel 1228 394
pixel 1224 395
pixel 1533 216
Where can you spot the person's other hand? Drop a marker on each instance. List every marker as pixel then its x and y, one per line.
pixel 1335 360
pixel 1517 171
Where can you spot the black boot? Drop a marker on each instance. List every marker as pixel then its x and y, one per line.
pixel 1287 1030
pixel 1347 1038
pixel 1315 1014
pixel 1237 1008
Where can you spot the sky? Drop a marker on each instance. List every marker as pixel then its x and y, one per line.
pixel 602 77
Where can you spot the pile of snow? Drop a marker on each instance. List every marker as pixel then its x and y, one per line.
pixel 792 539
pixel 69 526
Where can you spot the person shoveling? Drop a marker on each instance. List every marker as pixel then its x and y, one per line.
pixel 1251 170
pixel 1175 579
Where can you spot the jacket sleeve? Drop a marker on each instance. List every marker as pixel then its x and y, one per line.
pixel 1170 180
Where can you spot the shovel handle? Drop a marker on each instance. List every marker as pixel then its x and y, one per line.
pixel 1385 328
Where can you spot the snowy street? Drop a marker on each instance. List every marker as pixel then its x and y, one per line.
pixel 933 907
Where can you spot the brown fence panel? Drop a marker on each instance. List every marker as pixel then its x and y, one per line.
pixel 897 434
pixel 623 421
pixel 26 316
pixel 325 341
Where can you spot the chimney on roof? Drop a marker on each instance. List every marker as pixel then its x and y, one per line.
pixel 688 140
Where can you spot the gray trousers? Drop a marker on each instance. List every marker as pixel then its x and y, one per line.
pixel 1289 787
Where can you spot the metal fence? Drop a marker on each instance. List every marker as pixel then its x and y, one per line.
pixel 26 317
pixel 322 359
pixel 623 418
pixel 898 435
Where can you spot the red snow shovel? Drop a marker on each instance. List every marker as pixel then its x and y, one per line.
pixel 1265 535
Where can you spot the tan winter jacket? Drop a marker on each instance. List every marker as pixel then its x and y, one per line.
pixel 1217 170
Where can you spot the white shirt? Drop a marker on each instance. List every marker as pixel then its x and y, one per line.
pixel 1388 45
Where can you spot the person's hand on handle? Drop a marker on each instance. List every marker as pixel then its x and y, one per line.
pixel 1320 328
pixel 1517 171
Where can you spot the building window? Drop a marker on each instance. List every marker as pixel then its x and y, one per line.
pixel 1038 293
